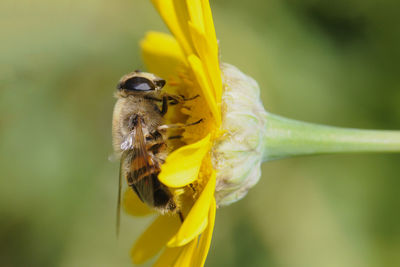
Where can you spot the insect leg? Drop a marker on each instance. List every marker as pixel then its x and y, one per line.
pixel 175 99
pixel 168 99
pixel 192 187
pixel 178 125
pixel 164 100
pixel 175 137
pixel 152 98
pixel 164 107
pixel 180 216
pixel 190 98
pixel 194 123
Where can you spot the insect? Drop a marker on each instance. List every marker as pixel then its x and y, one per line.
pixel 139 136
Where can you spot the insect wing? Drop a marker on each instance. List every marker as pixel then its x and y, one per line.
pixel 121 173
pixel 143 169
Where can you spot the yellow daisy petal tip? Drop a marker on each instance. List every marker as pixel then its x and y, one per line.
pixel 178 241
pixel 147 246
pixel 206 87
pixel 197 219
pixel 185 259
pixel 205 240
pixel 133 205
pixel 162 54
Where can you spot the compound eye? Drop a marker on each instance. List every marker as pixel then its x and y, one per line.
pixel 137 84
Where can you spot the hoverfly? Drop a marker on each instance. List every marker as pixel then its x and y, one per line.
pixel 139 136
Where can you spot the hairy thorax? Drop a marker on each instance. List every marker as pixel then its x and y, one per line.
pixel 129 107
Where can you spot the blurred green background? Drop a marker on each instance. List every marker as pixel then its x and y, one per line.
pixel 331 62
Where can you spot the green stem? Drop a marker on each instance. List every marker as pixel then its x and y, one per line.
pixel 285 138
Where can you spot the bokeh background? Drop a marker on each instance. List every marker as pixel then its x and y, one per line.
pixel 331 62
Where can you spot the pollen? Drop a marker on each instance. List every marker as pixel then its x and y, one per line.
pixel 189 111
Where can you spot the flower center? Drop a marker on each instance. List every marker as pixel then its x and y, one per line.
pixel 190 111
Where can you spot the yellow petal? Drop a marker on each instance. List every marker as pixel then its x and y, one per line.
pixel 192 25
pixel 175 15
pixel 154 238
pixel 162 54
pixel 133 205
pixel 206 87
pixel 209 57
pixel 205 240
pixel 195 10
pixel 182 165
pixel 209 25
pixel 201 28
pixel 168 257
pixel 196 221
pixel 186 255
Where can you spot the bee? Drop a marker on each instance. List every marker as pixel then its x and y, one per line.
pixel 137 137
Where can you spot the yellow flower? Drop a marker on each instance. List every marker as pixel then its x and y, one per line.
pixel 218 160
pixel 189 62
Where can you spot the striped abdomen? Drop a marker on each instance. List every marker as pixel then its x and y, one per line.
pixel 143 172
